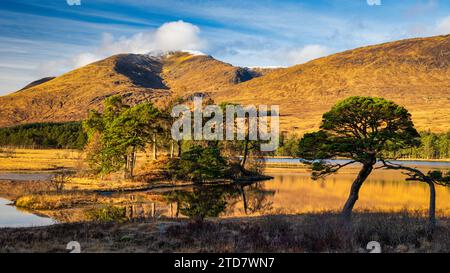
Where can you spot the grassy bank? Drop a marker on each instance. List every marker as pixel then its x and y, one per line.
pixel 55 159
pixel 400 232
pixel 39 160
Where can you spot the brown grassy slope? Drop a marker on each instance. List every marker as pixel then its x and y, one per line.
pixel 34 83
pixel 261 71
pixel 414 73
pixel 136 77
pixel 185 73
pixel 69 96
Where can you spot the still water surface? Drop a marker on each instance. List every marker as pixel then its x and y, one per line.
pixel 295 192
pixel 12 217
pixel 291 191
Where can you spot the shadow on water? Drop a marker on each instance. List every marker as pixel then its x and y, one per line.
pixel 194 202
pixel 215 201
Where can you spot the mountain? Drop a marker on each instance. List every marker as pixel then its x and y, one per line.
pixel 185 72
pixel 37 82
pixel 414 73
pixel 138 78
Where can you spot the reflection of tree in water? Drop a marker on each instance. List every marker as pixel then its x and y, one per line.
pixel 211 201
pixel 199 203
pixel 253 198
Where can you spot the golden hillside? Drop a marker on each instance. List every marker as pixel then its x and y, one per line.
pixel 186 73
pixel 414 73
pixel 137 77
pixel 69 96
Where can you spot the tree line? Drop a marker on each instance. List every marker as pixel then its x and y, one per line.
pixel 432 146
pixel 117 134
pixel 69 135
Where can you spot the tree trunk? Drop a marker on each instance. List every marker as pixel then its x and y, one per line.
pixel 155 156
pixel 432 208
pixel 171 149
pixel 417 175
pixel 179 148
pixel 244 160
pixel 244 199
pixel 354 192
pixel 132 162
pixel 126 173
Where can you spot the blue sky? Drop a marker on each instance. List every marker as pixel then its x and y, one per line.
pixel 41 38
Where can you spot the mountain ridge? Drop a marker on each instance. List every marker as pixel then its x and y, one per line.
pixel 136 77
pixel 412 72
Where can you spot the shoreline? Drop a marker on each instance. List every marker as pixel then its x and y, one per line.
pixel 402 159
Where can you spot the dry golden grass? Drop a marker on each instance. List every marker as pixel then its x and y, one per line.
pixel 30 160
pixel 97 184
pixel 186 74
pixel 39 160
pixel 397 233
pixel 54 201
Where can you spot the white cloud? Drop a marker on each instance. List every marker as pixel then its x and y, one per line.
pixel 178 36
pixel 273 56
pixel 443 26
pixel 440 27
pixel 170 36
pixel 306 53
pixel 84 59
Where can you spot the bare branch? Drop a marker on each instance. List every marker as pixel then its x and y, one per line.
pixel 322 170
pixel 414 174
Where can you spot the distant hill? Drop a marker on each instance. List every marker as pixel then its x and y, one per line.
pixel 136 77
pixel 34 83
pixel 414 73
